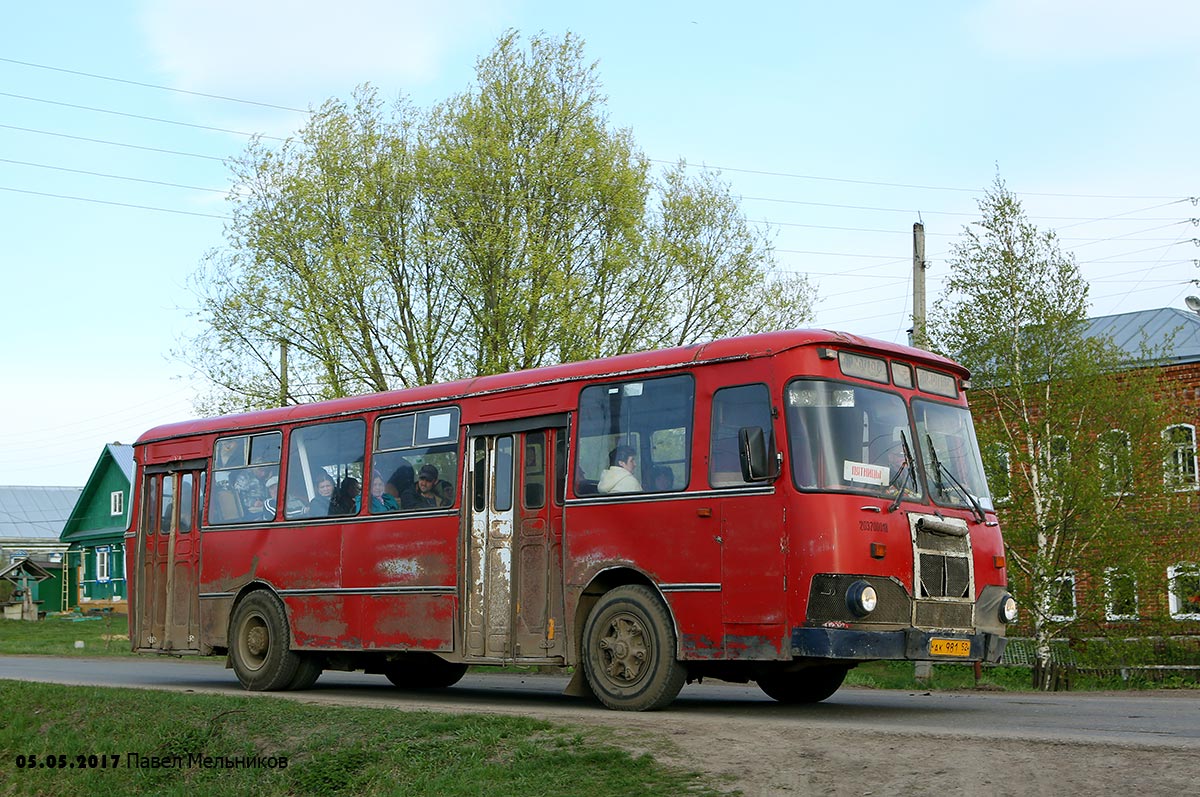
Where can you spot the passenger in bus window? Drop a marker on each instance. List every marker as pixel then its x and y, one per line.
pixel 618 477
pixel 426 494
pixel 402 481
pixel 347 498
pixel 229 453
pixel 322 503
pixel 251 487
pixel 380 500
pixel 661 479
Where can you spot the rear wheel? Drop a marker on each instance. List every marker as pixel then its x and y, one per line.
pixel 307 673
pixel 811 685
pixel 629 651
pixel 424 671
pixel 262 658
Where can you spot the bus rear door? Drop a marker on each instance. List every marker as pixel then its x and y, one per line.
pixel 168 539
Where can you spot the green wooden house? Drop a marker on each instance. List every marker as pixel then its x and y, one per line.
pixel 95 533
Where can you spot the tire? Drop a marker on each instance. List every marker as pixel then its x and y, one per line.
pixel 629 651
pixel 307 673
pixel 259 649
pixel 424 671
pixel 811 685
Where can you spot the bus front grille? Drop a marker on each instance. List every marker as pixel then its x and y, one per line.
pixel 944 614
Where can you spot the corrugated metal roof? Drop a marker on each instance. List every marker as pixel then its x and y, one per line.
pixel 35 513
pixel 1173 332
pixel 123 456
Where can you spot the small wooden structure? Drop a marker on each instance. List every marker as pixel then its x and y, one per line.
pixel 23 573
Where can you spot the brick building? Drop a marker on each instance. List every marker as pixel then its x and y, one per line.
pixel 1155 592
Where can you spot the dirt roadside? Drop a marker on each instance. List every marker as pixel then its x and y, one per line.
pixel 764 755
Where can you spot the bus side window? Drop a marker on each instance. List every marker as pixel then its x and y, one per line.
pixel 415 455
pixel 734 408
pixel 633 425
pixel 245 478
pixel 321 459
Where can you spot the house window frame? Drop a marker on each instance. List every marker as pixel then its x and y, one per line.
pixel 116 503
pixel 1179 610
pixel 1110 575
pixel 1052 599
pixel 1120 472
pixel 1175 470
pixel 999 454
pixel 103 564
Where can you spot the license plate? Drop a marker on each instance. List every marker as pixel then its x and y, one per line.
pixel 950 647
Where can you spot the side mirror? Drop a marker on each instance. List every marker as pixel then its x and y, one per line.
pixel 757 456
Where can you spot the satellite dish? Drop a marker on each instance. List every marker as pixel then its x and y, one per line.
pixel 1193 303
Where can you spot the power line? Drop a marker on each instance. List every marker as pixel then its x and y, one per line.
pixel 795 176
pixel 112 143
pixel 116 204
pixel 138 116
pixel 153 86
pixel 113 176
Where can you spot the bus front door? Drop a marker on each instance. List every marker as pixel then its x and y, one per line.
pixel 514 549
pixel 168 613
pixel 489 570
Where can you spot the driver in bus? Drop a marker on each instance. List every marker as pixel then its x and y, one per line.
pixel 618 477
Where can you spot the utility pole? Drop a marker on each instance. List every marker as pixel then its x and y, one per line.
pixel 919 339
pixel 283 375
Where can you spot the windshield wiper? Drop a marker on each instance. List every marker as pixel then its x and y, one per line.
pixel 939 468
pixel 909 471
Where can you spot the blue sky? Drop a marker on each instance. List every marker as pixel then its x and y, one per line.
pixel 840 125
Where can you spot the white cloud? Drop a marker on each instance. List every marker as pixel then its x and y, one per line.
pixel 1085 30
pixel 277 45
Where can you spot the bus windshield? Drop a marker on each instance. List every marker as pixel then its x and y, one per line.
pixel 953 467
pixel 850 438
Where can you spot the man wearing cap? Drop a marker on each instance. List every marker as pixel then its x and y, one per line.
pixel 425 493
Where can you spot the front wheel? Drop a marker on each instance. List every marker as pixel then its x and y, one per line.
pixel 811 685
pixel 629 651
pixel 260 644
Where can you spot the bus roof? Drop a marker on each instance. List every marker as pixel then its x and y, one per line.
pixel 739 348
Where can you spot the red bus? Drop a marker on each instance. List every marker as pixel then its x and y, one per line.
pixel 774 508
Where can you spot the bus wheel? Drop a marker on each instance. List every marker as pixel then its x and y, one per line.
pixel 629 651
pixel 307 673
pixel 810 685
pixel 261 657
pixel 424 671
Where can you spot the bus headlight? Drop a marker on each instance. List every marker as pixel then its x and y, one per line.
pixel 1008 609
pixel 861 599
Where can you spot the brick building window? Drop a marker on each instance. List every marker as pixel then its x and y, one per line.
pixel 1116 462
pixel 1183 585
pixel 1060 603
pixel 1120 594
pixel 1179 471
pixel 998 468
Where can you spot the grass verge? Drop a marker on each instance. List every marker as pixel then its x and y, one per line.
pixel 945 677
pixel 59 635
pixel 323 750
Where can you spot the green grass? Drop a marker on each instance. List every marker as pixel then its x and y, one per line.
pixel 947 677
pixel 328 750
pixel 106 635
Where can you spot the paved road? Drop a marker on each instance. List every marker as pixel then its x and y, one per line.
pixel 1153 719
